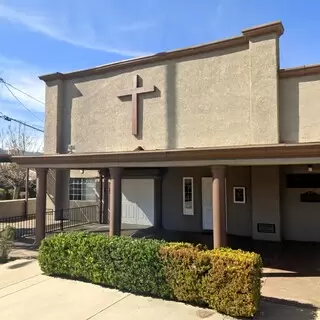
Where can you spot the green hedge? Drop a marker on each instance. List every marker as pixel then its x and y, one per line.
pixel 224 279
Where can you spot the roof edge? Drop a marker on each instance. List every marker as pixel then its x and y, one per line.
pixel 273 27
pixel 263 29
pixel 223 153
pixel 300 71
pixel 158 57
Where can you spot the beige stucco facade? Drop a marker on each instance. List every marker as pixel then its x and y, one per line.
pixel 203 101
pixel 300 109
pixel 230 93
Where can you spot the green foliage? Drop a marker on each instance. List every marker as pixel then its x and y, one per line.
pixel 3 194
pixel 6 243
pixel 224 279
pixel 120 262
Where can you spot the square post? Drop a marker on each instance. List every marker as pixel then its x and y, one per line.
pixel 41 204
pixel 115 201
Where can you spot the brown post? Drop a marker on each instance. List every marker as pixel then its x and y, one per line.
pixel 26 194
pixel 41 205
pixel 105 212
pixel 218 206
pixel 115 202
pixel 100 196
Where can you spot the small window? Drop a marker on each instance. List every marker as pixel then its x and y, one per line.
pixel 239 195
pixel 188 196
pixel 82 189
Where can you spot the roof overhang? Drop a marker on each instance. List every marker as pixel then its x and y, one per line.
pixel 241 155
pixel 5 158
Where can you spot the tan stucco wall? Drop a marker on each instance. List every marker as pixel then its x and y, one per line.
pixel 301 220
pixel 185 111
pixel 223 98
pixel 300 109
pixel 264 89
pixel 266 205
pixel 16 208
pixel 85 174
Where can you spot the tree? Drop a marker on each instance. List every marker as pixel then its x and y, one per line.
pixel 17 141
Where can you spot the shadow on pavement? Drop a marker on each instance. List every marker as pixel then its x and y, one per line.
pixel 19 265
pixel 281 309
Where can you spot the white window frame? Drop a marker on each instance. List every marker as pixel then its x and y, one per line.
pixel 187 211
pixel 244 195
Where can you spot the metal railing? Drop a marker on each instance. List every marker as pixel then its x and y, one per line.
pixel 72 217
pixel 24 225
pixel 56 221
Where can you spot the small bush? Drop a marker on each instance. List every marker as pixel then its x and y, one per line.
pixel 3 194
pixel 6 243
pixel 224 279
pixel 118 262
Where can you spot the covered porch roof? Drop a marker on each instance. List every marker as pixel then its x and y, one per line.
pixel 276 154
pixel 5 157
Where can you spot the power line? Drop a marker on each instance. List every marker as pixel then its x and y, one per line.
pixel 26 94
pixel 3 116
pixel 19 100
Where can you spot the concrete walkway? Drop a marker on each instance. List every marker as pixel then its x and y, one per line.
pixel 25 293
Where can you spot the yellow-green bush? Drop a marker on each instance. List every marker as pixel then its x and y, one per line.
pixel 224 279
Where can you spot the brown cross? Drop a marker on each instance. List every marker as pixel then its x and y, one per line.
pixel 134 92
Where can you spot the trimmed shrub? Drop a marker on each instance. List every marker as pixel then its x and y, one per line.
pixel 6 243
pixel 119 262
pixel 224 279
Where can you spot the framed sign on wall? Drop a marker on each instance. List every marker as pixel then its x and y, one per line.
pixel 239 194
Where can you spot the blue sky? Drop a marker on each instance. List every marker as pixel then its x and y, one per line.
pixel 42 36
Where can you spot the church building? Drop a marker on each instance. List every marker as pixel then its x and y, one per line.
pixel 212 137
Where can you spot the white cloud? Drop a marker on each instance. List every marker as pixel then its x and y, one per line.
pixel 24 77
pixel 81 34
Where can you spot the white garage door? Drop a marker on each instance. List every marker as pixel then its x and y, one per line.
pixel 138 201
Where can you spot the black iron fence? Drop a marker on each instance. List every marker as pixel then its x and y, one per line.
pixel 24 225
pixel 56 221
pixel 72 217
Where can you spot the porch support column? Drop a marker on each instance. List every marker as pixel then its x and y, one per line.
pixel 105 213
pixel 218 206
pixel 115 202
pixel 41 205
pixel 158 202
pixel 100 186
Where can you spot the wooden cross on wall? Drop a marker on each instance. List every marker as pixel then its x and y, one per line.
pixel 134 93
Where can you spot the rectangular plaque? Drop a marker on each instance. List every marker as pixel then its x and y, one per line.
pixel 310 196
pixel 266 228
pixel 239 194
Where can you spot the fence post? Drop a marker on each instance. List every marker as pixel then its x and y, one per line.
pixel 26 194
pixel 61 219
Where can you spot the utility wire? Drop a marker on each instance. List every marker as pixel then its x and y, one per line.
pixel 3 116
pixel 19 100
pixel 26 94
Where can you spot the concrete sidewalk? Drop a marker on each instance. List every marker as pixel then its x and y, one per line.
pixel 26 294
